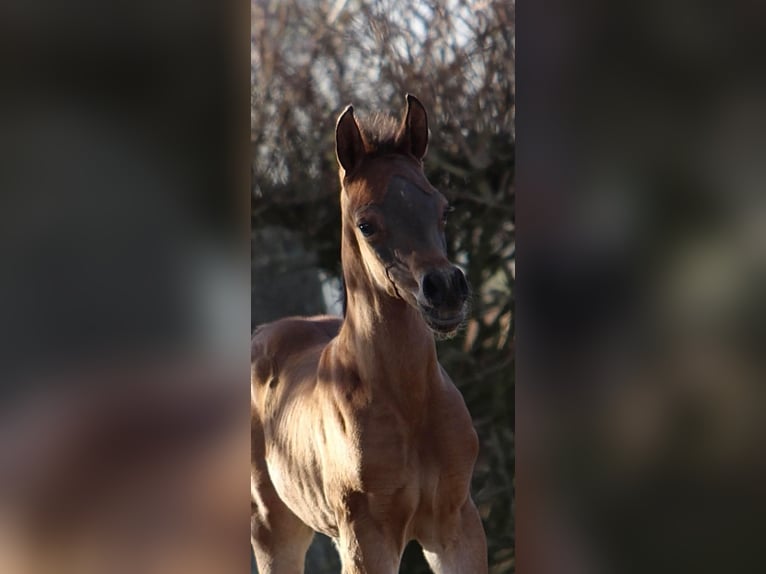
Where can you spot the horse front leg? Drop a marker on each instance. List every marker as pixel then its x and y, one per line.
pixel 465 550
pixel 365 548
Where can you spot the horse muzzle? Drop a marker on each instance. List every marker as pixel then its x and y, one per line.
pixel 443 299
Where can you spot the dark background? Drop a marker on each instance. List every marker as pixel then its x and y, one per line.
pixel 124 420
pixel 640 297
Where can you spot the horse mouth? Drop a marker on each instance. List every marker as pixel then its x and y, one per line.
pixel 443 323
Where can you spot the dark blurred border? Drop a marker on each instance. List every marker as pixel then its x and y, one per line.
pixel 641 281
pixel 124 217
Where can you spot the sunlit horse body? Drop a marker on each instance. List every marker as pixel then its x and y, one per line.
pixel 357 431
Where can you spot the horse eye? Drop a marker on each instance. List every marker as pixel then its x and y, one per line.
pixel 367 229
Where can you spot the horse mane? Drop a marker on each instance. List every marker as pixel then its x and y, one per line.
pixel 380 133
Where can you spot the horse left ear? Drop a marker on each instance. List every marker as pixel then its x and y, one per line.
pixel 349 142
pixel 413 133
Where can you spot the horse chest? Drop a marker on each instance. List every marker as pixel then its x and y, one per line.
pixel 433 454
pixel 385 449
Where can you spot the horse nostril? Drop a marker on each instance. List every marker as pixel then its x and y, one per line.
pixel 433 289
pixel 459 280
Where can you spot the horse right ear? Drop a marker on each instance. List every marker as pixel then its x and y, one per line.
pixel 349 143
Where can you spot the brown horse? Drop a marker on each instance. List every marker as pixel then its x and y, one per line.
pixel 357 431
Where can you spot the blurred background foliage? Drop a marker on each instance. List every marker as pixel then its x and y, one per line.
pixel 308 60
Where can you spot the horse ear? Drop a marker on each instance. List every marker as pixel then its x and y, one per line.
pixel 349 143
pixel 413 134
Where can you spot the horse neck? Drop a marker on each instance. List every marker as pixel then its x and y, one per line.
pixel 392 347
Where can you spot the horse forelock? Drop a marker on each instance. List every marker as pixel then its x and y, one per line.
pixel 380 133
